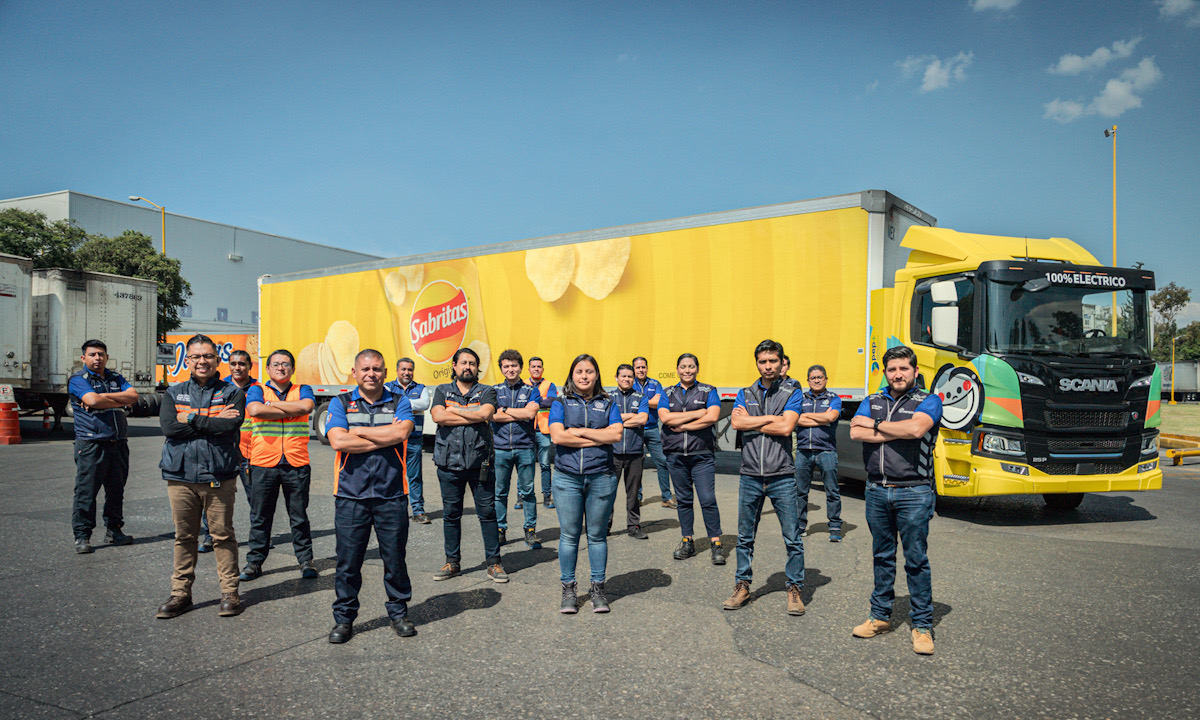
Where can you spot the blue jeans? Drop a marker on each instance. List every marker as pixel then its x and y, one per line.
pixel 752 492
pixel 698 473
pixel 545 458
pixel 416 477
pixel 575 496
pixel 523 459
pixel 825 462
pixel 482 481
pixel 903 511
pixel 352 523
pixel 653 443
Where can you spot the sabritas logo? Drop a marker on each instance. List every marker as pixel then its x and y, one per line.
pixel 439 321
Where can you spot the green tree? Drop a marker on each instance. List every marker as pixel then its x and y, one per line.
pixel 1168 302
pixel 137 255
pixel 1188 345
pixel 30 234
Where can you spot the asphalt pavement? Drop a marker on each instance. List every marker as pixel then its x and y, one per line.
pixel 1087 614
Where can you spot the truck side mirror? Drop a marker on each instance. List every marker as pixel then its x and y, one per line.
pixel 945 317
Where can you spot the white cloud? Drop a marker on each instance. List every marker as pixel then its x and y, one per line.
pixel 872 86
pixel 1189 9
pixel 1063 111
pixel 936 73
pixel 1120 94
pixel 1003 5
pixel 1071 64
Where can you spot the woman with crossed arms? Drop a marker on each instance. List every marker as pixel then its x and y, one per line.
pixel 584 424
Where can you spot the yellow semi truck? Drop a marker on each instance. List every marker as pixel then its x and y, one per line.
pixel 1041 355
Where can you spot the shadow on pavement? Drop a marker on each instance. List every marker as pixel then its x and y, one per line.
pixel 777 583
pixel 637 581
pixel 901 608
pixel 1031 510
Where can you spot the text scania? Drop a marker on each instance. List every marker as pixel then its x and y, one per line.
pixel 440 321
pixel 1061 278
pixel 1093 385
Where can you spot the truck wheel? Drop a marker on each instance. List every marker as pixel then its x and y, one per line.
pixel 318 422
pixel 153 404
pixel 1061 502
pixel 139 409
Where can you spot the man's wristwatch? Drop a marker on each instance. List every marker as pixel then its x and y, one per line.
pixel 877 421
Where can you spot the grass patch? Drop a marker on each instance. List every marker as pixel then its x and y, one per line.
pixel 1181 419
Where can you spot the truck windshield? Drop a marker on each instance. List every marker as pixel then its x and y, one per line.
pixel 1066 320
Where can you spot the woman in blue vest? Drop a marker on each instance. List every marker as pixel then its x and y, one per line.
pixel 584 424
pixel 688 411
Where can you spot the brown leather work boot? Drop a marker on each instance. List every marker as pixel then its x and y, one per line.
pixel 795 602
pixel 174 606
pixel 741 595
pixel 922 641
pixel 231 605
pixel 872 627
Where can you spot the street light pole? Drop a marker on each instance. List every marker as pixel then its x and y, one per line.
pixel 163 211
pixel 1113 134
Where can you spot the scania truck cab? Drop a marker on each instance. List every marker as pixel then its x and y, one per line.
pixel 1041 357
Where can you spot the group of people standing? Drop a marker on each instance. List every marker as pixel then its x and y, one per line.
pixel 219 429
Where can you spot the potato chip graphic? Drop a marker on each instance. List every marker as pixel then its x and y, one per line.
pixel 550 270
pixel 599 266
pixel 252 345
pixel 395 287
pixel 414 276
pixel 308 368
pixel 330 375
pixel 485 357
pixel 342 342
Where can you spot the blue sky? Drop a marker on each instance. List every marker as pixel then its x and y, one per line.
pixel 393 127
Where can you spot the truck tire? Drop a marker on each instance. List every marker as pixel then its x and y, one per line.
pixel 1062 502
pixel 139 408
pixel 153 404
pixel 318 422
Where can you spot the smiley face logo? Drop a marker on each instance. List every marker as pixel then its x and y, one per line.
pixel 961 394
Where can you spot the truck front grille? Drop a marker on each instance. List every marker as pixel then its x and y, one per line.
pixel 1074 469
pixel 1085 444
pixel 1086 418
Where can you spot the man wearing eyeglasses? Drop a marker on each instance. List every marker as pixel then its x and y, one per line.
pixel 278 412
pixel 239 374
pixel 200 419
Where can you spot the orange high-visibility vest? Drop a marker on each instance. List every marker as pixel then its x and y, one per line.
pixel 543 416
pixel 247 425
pixel 276 439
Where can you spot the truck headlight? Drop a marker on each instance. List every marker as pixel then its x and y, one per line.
pixel 1141 382
pixel 1002 444
pixel 1029 379
pixel 1150 444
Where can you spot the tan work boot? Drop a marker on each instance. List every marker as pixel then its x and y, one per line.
pixel 795 602
pixel 922 641
pixel 872 627
pixel 741 595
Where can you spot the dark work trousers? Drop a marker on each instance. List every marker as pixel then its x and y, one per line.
pixel 99 464
pixel 265 485
pixel 629 467
pixel 482 481
pixel 352 523
pixel 699 473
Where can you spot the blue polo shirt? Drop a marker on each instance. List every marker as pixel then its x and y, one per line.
pixel 102 425
pixel 378 474
pixel 518 434
pixel 650 388
pixel 256 393
pixel 635 401
pixel 573 411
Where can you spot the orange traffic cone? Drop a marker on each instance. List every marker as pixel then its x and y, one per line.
pixel 46 417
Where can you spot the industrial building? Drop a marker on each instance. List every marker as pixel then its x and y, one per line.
pixel 222 262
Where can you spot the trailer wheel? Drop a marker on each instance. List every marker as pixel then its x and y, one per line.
pixel 153 404
pixel 1061 502
pixel 318 422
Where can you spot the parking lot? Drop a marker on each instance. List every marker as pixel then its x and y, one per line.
pixel 1087 614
